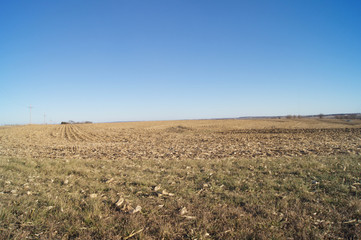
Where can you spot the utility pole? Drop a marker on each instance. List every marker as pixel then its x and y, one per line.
pixel 30 107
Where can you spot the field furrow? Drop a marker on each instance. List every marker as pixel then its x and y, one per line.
pixel 82 134
pixel 68 134
pixel 206 179
pixel 62 132
pixel 184 140
pixel 72 133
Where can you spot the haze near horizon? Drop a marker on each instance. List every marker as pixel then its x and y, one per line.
pixel 106 61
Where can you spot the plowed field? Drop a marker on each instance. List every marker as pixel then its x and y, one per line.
pixel 184 139
pixel 204 179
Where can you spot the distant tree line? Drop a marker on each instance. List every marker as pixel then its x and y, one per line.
pixel 335 116
pixel 73 122
pixel 293 116
pixel 348 116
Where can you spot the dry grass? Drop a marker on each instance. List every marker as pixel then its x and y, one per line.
pixel 182 180
pixel 184 139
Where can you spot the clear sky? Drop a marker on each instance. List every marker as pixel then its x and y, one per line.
pixel 126 60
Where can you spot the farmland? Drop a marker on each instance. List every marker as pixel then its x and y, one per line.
pixel 200 179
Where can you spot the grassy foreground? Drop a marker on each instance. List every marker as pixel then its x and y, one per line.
pixel 276 198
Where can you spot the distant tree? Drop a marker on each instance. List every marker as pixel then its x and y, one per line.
pixel 353 116
pixel 320 115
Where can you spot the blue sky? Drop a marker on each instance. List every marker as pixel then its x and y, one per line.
pixel 136 60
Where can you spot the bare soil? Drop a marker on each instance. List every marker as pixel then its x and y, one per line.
pixel 184 139
pixel 204 179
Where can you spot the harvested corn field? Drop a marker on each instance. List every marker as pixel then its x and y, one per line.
pixel 202 179
pixel 183 139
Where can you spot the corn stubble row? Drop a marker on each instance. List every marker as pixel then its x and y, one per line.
pixel 182 139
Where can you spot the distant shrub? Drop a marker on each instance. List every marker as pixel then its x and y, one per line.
pixel 72 122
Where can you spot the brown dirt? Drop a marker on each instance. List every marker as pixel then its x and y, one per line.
pixel 205 179
pixel 201 139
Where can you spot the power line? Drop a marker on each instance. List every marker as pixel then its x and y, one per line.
pixel 30 107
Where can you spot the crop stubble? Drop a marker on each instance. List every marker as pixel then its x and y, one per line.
pixel 183 139
pixel 204 179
